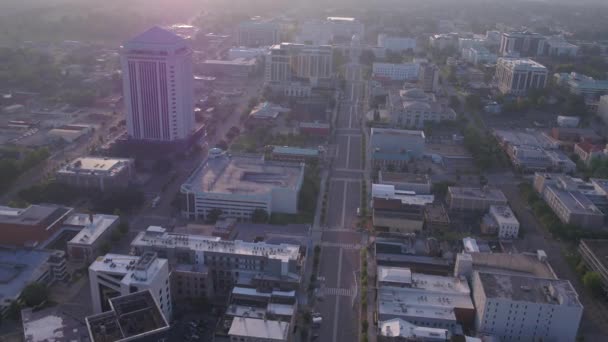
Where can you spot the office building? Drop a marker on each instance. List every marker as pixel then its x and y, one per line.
pixel 428 77
pixel 95 231
pixel 412 108
pixel 247 53
pixel 97 173
pixel 580 84
pixel 595 257
pixel 258 265
pixel 244 329
pixel 521 44
pixel 258 32
pixel 21 267
pixel 332 30
pixel 398 211
pixel 158 86
pixel 474 199
pixel 396 44
pixel 397 329
pixel 53 324
pixel 525 308
pixel 31 226
pixel 395 72
pixel 237 186
pixel 234 68
pixel 116 275
pixel 516 76
pixel 444 41
pixel 502 221
pixel 288 62
pixel 558 47
pixel 395 146
pixel 418 183
pixel 133 317
pixel 467 43
pixel 479 55
pixel 424 300
pixel 602 108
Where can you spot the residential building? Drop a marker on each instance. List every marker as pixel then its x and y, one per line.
pixel 244 329
pixel 21 267
pixel 396 44
pixel 395 72
pixel 158 86
pixel 31 226
pixel 397 329
pixel 238 185
pixel 580 84
pixel 474 199
pixel 587 151
pixel 288 62
pixel 516 76
pixel 479 55
pixel 436 218
pixel 412 108
pixel 602 108
pixel 234 68
pixel 95 230
pixel 418 183
pixel 257 265
pixel 133 317
pixel 503 218
pixel 257 32
pixel 53 324
pixel 424 300
pixel 97 173
pixel 525 308
pixel 521 44
pixel 116 275
pixel 395 146
pixel 595 256
pixel 428 77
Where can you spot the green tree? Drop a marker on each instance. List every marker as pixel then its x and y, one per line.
pixel 123 227
pixel 214 214
pixel 593 281
pixel 34 294
pixel 259 216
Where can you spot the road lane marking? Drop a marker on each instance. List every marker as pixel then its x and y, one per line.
pixel 337 311
pixel 344 204
pixel 341 245
pixel 333 291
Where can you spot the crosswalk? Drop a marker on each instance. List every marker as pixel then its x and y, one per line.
pixel 341 245
pixel 333 291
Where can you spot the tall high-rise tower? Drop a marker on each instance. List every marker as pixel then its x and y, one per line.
pixel 158 86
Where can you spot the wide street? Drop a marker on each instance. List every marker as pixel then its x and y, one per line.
pixel 340 240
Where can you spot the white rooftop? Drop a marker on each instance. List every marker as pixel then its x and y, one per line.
pixel 133 269
pixel 523 63
pixel 95 165
pixel 91 230
pixel 282 251
pixel 394 274
pixel 259 328
pixel 398 327
pixel 503 214
pixel 470 245
pixel 388 191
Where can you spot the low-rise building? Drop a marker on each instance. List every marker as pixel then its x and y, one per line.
pixel 580 84
pixel 95 230
pixel 53 324
pixel 413 108
pixel 245 329
pixel 558 46
pixel 133 317
pixel 418 183
pixel 21 267
pixel 31 226
pixel 503 219
pixel 397 44
pixel 98 173
pixel 436 218
pixel 525 308
pixel 474 199
pixel 294 154
pixel 587 151
pixel 236 186
pixel 267 111
pixel 395 146
pixel 115 275
pixel 246 53
pixel 595 255
pixel 397 329
pixel 235 68
pixel 444 41
pixel 516 76
pixel 479 55
pixel 395 71
pixel 315 128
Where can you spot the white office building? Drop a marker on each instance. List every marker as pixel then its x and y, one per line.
pixel 237 186
pixel 516 76
pixel 396 44
pixel 396 72
pixel 158 86
pixel 506 222
pixel 117 275
pixel 99 173
pixel 525 308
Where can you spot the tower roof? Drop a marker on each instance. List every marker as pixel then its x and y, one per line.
pixel 157 35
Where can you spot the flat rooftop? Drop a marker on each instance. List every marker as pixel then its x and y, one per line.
pixel 398 327
pixel 517 63
pixel 91 230
pixel 133 316
pixel 282 251
pixel 575 201
pixel 244 175
pixel 475 193
pixel 511 263
pixel 236 61
pixel 503 214
pixel 18 268
pixel 259 328
pixel 397 132
pixel 436 213
pixel 43 214
pixel 133 269
pixel 404 177
pixel 96 165
pixel 53 324
pixel 394 274
pixel 296 151
pixel 529 289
